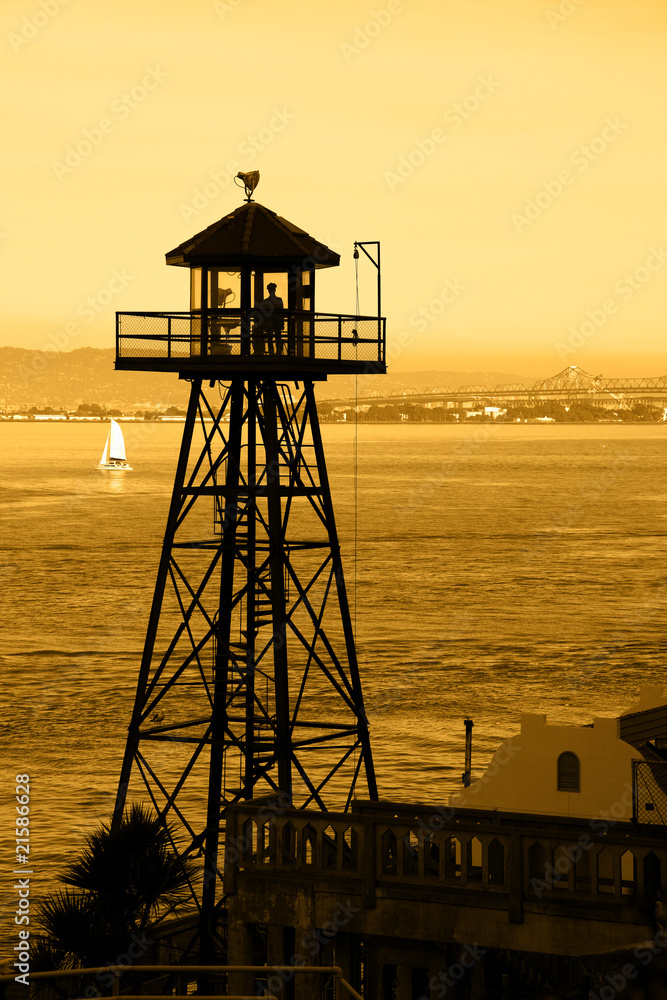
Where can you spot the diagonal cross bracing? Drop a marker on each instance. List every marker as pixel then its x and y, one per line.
pixel 249 683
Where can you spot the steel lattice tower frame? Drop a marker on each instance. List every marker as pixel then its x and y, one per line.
pixel 249 684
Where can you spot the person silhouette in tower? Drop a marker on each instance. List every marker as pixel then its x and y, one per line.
pixel 271 320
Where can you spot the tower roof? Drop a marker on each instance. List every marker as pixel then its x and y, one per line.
pixel 252 234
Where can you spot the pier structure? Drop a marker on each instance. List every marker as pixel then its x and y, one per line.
pixel 249 685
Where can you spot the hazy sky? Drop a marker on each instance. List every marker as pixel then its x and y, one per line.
pixel 509 154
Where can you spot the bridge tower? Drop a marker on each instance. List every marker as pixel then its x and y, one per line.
pixel 249 684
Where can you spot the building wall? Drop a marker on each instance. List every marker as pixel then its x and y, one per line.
pixel 522 776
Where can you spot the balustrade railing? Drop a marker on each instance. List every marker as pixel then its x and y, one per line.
pixel 501 855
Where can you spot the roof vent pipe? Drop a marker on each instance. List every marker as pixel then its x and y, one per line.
pixel 466 776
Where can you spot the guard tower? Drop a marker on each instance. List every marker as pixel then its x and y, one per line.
pixel 249 684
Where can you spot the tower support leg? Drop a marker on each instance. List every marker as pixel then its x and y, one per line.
pixel 249 682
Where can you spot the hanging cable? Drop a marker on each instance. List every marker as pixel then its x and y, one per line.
pixel 356 441
pixel 356 279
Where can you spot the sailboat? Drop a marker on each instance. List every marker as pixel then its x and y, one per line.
pixel 113 456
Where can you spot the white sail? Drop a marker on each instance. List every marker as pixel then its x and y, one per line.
pixel 116 443
pixel 105 454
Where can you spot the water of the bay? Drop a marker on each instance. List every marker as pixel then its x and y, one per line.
pixel 499 569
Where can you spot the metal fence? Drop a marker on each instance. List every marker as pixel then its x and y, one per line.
pixel 250 333
pixel 649 792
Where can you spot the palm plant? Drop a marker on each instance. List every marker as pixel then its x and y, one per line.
pixel 133 869
pixel 129 877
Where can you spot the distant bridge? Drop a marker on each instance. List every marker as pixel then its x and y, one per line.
pixel 570 385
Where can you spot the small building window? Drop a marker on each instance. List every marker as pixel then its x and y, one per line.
pixel 568 772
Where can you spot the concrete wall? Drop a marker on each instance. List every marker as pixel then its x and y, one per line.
pixel 522 776
pixel 650 696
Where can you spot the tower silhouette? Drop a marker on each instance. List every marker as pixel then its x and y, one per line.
pixel 249 684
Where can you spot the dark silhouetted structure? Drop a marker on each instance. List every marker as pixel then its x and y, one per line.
pixel 249 684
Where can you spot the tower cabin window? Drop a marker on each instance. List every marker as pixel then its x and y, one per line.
pixel 568 769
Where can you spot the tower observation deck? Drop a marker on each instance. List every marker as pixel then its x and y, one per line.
pixel 236 325
pixel 249 685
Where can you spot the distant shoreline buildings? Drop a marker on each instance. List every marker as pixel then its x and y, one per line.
pixel 363 412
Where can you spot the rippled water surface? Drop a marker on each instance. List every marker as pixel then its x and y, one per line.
pixel 498 570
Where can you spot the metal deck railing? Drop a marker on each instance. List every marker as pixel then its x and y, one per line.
pixel 219 333
pixel 193 972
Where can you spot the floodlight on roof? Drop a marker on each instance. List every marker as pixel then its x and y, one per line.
pixel 250 180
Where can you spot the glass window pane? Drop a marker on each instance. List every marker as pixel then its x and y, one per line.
pixel 224 289
pixel 277 278
pixel 195 288
pixel 307 297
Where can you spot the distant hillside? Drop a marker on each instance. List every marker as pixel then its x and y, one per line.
pixel 30 378
pixel 87 375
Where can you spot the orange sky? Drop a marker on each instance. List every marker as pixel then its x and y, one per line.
pixel 509 154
